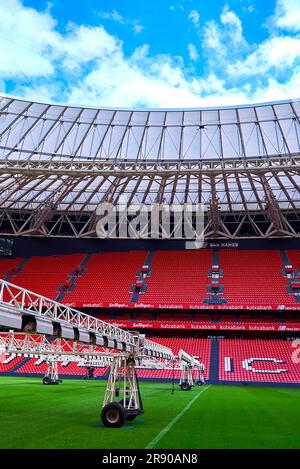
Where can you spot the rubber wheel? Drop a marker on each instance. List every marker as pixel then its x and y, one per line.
pixel 113 415
pixel 185 386
pixel 46 380
pixel 199 383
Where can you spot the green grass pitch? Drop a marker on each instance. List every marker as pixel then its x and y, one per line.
pixel 68 416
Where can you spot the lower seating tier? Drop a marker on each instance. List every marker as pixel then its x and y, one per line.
pixel 274 361
pixel 237 361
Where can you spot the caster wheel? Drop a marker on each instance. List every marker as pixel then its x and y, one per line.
pixel 113 415
pixel 185 386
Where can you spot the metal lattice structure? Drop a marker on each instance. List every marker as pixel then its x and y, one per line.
pixel 44 347
pixel 40 345
pixel 59 162
pixel 17 302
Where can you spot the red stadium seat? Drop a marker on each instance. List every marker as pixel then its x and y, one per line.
pixel 178 277
pixel 108 278
pixel 254 278
pixel 45 274
pixel 258 361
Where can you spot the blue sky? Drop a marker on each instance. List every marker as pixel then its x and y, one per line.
pixel 164 53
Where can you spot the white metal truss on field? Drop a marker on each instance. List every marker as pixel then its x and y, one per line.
pixel 17 302
pixel 39 345
pixel 59 162
pixel 56 348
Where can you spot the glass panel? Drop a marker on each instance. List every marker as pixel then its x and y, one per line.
pixel 191 149
pixel 210 139
pixel 228 116
pixel 210 117
pixel 283 111
pixel 265 113
pixel 174 118
pixel 246 114
pixel 191 118
pixel 156 118
pixel 231 143
pixel 139 118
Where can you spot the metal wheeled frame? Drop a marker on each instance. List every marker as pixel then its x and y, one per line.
pixel 122 398
pixel 51 376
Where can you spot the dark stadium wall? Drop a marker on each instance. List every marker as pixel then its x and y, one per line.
pixel 38 246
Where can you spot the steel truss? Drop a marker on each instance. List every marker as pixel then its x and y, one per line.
pixel 53 350
pixel 39 345
pixel 57 348
pixel 234 225
pixel 84 168
pixel 57 163
pixel 17 303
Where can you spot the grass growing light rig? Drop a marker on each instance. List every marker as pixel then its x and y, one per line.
pixel 188 365
pixel 77 335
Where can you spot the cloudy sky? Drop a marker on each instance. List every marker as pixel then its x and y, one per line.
pixel 163 53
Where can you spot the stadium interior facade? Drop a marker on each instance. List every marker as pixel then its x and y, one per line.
pixel 234 303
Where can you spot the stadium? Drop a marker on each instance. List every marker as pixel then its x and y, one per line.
pixel 74 298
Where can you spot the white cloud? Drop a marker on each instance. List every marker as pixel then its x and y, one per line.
pixel 249 9
pixel 42 93
pixel 194 16
pixel 266 71
pixel 25 39
pixel 138 28
pixel 287 15
pixel 178 7
pixel 224 39
pixel 82 44
pixel 114 15
pixel 193 53
pixel 87 65
pixel 212 38
pixel 233 24
pixel 30 45
pixel 278 53
pixel 140 79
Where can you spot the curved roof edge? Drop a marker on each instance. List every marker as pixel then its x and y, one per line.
pixel 146 109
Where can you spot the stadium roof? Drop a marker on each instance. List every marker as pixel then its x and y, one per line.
pixel 242 159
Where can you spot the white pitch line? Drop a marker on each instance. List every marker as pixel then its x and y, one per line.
pixel 178 416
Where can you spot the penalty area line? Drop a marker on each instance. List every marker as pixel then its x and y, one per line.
pixel 172 423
